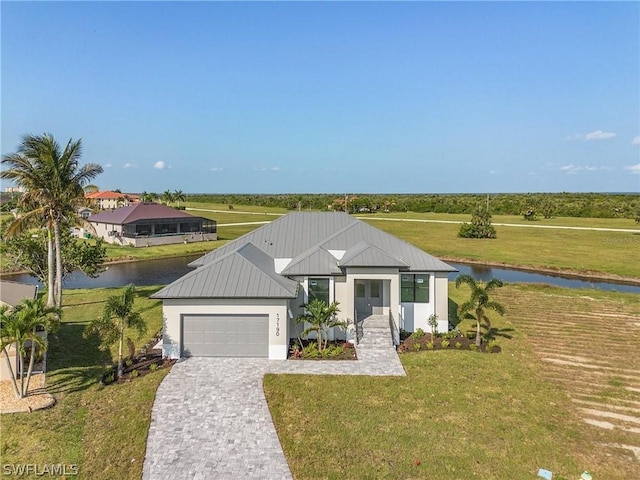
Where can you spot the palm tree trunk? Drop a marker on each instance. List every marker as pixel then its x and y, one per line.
pixel 31 362
pixel 120 351
pixel 21 375
pixel 478 317
pixel 11 372
pixel 50 271
pixel 58 281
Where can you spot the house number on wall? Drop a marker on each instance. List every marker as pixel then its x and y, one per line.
pixel 277 324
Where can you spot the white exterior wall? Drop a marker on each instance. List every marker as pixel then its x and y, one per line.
pixel 103 229
pixel 390 293
pixel 441 296
pixel 416 315
pixel 173 309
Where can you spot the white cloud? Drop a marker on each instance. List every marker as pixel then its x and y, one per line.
pixel 216 169
pixel 599 135
pixel 636 140
pixel 494 172
pixel 275 169
pixel 107 165
pixel 573 169
pixel 635 169
pixel 129 165
pixel 159 165
pixel 265 169
pixel 595 135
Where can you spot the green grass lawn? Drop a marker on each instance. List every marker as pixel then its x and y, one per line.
pixel 461 414
pixel 101 429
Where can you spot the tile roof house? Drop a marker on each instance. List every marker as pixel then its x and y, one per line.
pixel 144 224
pixel 108 200
pixel 244 297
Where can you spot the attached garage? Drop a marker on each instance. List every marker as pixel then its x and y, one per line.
pixel 221 335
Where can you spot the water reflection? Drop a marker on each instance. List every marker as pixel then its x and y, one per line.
pixel 165 271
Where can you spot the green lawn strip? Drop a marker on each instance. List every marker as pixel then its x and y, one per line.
pixel 580 251
pixel 101 429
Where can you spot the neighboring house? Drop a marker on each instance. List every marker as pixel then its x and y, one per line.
pixel 11 294
pixel 145 224
pixel 243 299
pixel 109 200
pixel 84 212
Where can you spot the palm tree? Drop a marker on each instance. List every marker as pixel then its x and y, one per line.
pixel 320 317
pixel 20 327
pixel 179 196
pixel 167 197
pixel 479 301
pixel 7 338
pixel 53 182
pixel 117 315
pixel 148 197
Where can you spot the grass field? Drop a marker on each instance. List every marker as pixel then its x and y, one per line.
pixel 468 415
pixel 101 429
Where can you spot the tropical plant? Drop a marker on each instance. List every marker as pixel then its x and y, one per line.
pixel 167 197
pixel 433 323
pixel 480 226
pixel 53 182
pixel 148 196
pixel 117 315
pixel 19 326
pixel 479 302
pixel 179 196
pixel 320 318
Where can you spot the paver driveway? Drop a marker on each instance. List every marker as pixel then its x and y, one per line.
pixel 210 420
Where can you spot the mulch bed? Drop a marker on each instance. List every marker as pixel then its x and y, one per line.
pixel 348 353
pixel 459 342
pixel 138 366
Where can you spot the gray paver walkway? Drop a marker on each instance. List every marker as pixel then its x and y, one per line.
pixel 210 418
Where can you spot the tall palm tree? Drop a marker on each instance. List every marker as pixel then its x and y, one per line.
pixel 479 301
pixel 167 197
pixel 179 196
pixel 117 315
pixel 7 338
pixel 53 182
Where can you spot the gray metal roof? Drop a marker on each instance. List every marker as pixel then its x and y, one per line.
pixel 247 272
pixel 12 293
pixel 363 254
pixel 315 261
pixel 297 233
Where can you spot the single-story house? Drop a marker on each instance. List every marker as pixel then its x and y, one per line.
pixel 243 298
pixel 108 200
pixel 11 294
pixel 145 224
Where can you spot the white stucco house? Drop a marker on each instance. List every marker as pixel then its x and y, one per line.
pixel 243 298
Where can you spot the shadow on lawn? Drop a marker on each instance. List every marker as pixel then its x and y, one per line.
pixel 68 349
pixel 69 380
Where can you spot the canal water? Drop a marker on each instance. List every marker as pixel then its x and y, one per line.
pixel 166 270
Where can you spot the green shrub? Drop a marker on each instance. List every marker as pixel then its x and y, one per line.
pixel 332 351
pixel 128 362
pixel 430 345
pixel 134 373
pixel 490 345
pixel 153 367
pixel 418 334
pixel 458 345
pixel 445 343
pixel 311 351
pixel 417 346
pixel 473 347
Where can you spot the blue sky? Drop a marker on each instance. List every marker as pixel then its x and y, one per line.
pixel 332 97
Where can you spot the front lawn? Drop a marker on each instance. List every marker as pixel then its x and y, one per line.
pixel 464 414
pixel 102 430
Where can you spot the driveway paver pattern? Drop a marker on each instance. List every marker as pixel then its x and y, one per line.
pixel 210 419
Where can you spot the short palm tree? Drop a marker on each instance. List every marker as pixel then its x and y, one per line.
pixel 480 301
pixel 320 318
pixel 117 315
pixel 167 197
pixel 53 182
pixel 19 327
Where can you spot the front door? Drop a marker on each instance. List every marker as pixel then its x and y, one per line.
pixel 368 298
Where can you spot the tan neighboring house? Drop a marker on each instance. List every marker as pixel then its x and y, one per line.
pixel 11 294
pixel 146 224
pixel 108 200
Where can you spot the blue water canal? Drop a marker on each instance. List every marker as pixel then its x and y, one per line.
pixel 165 271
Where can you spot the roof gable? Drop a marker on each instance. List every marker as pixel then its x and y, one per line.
pixel 138 211
pixel 246 272
pixel 315 261
pixel 363 254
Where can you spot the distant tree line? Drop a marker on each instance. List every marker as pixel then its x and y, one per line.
pixel 530 205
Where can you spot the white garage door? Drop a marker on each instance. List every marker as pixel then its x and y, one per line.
pixel 225 335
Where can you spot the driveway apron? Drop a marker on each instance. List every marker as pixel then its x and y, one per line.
pixel 210 420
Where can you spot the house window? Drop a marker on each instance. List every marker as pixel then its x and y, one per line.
pixel 414 288
pixel 375 289
pixel 319 288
